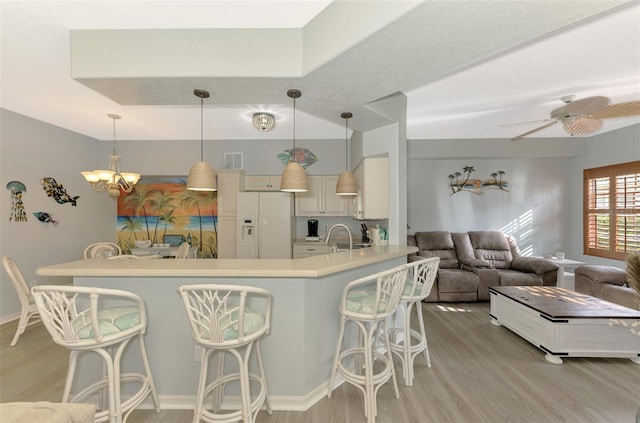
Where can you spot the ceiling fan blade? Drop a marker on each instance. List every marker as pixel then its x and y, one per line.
pixel 631 108
pixel 582 126
pixel 524 123
pixel 539 128
pixel 584 106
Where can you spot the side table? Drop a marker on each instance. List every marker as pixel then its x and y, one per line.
pixel 560 282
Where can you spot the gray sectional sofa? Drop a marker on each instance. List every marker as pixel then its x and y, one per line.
pixel 606 282
pixel 473 261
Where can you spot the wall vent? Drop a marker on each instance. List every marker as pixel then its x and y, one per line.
pixel 233 160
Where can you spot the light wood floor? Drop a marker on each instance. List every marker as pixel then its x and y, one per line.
pixel 480 373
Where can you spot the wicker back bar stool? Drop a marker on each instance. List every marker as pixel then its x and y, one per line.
pixel 229 319
pixel 102 321
pixel 368 302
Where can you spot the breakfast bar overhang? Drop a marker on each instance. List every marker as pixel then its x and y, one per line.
pixel 298 351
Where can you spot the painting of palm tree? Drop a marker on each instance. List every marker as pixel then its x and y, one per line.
pixel 160 206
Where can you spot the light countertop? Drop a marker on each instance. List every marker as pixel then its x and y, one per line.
pixel 310 267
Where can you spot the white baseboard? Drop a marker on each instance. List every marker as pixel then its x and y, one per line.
pixel 232 402
pixel 10 317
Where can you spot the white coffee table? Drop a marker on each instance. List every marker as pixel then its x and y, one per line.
pixel 564 323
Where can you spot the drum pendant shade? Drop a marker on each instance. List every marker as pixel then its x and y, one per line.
pixel 347 183
pixel 294 178
pixel 201 176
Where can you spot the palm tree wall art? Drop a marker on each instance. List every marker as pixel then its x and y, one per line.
pixel 160 206
pixel 461 181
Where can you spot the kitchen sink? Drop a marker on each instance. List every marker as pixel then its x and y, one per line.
pixel 342 246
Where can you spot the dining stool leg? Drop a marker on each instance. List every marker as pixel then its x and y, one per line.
pixel 423 334
pixel 73 361
pixel 202 383
pixel 267 399
pixel 147 369
pixel 217 395
pixel 336 358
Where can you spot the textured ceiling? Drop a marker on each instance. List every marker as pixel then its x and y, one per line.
pixel 466 67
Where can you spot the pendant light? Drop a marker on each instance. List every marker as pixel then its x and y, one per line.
pixel 112 180
pixel 294 178
pixel 347 184
pixel 201 176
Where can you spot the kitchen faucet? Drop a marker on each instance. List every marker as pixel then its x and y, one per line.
pixel 346 229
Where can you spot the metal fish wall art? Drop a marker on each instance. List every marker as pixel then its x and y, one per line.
pixel 303 156
pixel 45 217
pixel 57 191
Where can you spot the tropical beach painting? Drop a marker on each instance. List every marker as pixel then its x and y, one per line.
pixel 162 205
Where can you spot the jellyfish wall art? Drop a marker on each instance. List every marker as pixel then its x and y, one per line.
pixel 17 207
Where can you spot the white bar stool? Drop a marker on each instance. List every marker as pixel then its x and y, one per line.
pixel 103 321
pixel 368 302
pixel 229 318
pixel 421 277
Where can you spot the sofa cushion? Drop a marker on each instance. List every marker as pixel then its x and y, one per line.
pixel 516 278
pixel 533 265
pixel 603 274
pixel 454 280
pixel 438 244
pixel 492 247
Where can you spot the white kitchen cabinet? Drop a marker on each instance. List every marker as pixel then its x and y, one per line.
pixel 262 182
pixel 310 249
pixel 372 201
pixel 230 182
pixel 321 199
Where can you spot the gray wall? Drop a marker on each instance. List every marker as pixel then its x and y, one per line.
pixel 30 150
pixel 543 208
pixel 533 210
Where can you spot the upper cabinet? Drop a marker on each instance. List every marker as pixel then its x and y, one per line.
pixel 372 201
pixel 262 182
pixel 321 199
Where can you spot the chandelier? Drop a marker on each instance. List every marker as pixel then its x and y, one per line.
pixel 112 180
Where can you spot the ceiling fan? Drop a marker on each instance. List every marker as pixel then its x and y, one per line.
pixel 584 116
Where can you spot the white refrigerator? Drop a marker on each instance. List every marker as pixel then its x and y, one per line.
pixel 266 226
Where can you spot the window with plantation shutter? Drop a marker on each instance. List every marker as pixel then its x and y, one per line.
pixel 612 210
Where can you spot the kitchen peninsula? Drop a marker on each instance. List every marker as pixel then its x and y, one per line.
pixel 299 350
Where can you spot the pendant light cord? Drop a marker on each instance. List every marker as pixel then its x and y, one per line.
pixel 346 116
pixel 294 129
pixel 201 129
pixel 346 146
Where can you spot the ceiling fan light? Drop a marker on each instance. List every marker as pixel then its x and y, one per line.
pixel 294 178
pixel 201 178
pixel 582 126
pixel 347 184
